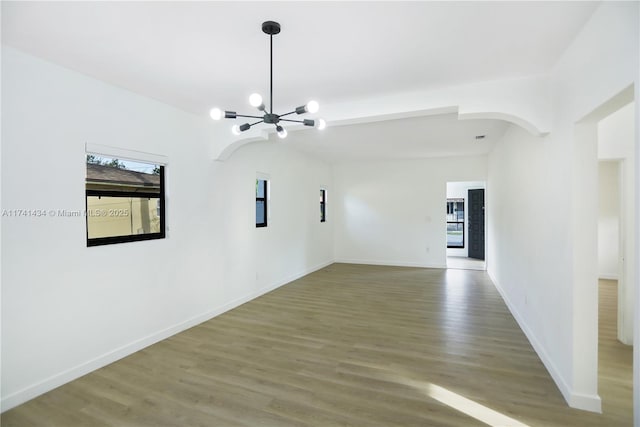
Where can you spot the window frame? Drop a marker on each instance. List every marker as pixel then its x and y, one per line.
pixel 457 200
pixel 100 241
pixel 264 200
pixel 323 205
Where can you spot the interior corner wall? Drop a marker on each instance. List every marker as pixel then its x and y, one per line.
pixel 394 212
pixel 536 196
pixel 68 309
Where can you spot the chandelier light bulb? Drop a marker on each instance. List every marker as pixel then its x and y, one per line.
pixel 321 124
pixel 216 113
pixel 255 100
pixel 282 132
pixel 313 107
pixel 235 130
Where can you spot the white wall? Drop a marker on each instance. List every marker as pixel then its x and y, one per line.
pixel 68 309
pixel 460 190
pixel 394 212
pixel 608 219
pixel 544 259
pixel 528 254
pixel 295 241
pixel 636 332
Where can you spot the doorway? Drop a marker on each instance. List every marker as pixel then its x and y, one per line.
pixel 615 275
pixel 466 225
pixel 607 133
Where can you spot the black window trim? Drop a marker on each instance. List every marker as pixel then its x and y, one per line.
pixel 455 200
pixel 100 241
pixel 323 205
pixel 262 199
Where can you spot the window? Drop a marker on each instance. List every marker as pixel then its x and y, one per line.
pixel 323 205
pixel 124 201
pixel 261 202
pixel 455 223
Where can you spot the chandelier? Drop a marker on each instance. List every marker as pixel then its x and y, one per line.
pixel 268 116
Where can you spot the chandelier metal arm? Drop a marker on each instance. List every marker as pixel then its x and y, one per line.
pixel 287 114
pixel 306 122
pixel 251 117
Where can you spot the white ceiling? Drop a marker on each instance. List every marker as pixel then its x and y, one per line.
pixel 418 137
pixel 196 55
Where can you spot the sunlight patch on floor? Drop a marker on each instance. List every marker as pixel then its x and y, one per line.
pixel 471 408
pixel 453 400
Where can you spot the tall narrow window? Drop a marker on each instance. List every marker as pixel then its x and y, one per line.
pixel 323 205
pixel 261 203
pixel 455 223
pixel 124 201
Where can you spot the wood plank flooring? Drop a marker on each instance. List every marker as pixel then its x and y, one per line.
pixel 615 360
pixel 348 345
pixel 464 263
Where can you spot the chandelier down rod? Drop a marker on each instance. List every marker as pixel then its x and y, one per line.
pixel 270 28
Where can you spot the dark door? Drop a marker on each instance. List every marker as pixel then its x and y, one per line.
pixel 476 224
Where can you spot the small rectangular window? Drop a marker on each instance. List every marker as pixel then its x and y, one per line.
pixel 323 205
pixel 261 203
pixel 455 223
pixel 124 201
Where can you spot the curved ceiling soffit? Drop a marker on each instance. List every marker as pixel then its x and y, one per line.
pixel 264 135
pixel 231 147
pixel 234 145
pixel 525 124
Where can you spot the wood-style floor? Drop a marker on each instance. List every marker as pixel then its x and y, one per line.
pixel 464 263
pixel 348 345
pixel 615 360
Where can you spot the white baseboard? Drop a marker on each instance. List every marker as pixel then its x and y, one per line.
pixel 71 374
pixel 389 263
pixel 586 402
pixel 608 276
pixel 591 403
